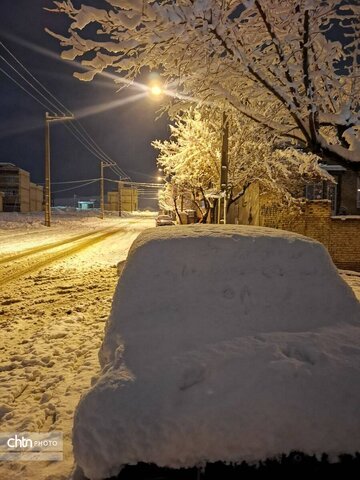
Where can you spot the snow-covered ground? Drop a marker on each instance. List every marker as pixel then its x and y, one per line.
pixel 19 231
pixel 52 324
pixel 245 345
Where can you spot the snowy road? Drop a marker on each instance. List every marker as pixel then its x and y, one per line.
pixel 13 267
pixel 52 322
pixel 55 298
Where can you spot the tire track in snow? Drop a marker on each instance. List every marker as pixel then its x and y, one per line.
pixel 90 240
pixel 42 248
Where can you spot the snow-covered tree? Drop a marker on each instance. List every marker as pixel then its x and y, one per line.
pixel 289 65
pixel 191 161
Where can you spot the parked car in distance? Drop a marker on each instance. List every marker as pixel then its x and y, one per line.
pixel 163 220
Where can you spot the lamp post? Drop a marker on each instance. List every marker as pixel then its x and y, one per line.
pixel 50 118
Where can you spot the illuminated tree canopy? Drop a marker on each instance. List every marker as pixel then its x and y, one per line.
pixel 291 66
pixel 190 161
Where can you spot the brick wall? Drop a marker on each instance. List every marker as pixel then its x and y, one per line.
pixel 340 235
pixel 344 244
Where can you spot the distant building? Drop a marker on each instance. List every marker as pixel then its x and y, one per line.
pixel 128 196
pixel 36 197
pixel 86 205
pixel 20 195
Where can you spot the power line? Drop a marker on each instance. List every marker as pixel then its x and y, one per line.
pixel 95 150
pixel 35 79
pixel 83 142
pixel 84 138
pixel 99 148
pixel 23 88
pixel 78 186
pixel 46 106
pixel 143 184
pixel 32 86
pixel 93 144
pixel 73 181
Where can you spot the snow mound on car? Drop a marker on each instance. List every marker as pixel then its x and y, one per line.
pixel 224 343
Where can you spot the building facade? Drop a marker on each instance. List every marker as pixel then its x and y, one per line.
pixel 123 200
pixel 19 193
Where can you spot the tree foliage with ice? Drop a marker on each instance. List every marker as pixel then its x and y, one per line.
pixel 291 66
pixel 191 161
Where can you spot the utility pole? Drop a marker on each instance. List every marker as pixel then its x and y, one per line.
pixel 102 190
pixel 120 197
pixel 224 164
pixel 50 118
pixel 47 173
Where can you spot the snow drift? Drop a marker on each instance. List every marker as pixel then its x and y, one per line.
pixel 224 343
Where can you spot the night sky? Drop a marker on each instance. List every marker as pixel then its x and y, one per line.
pixel 124 133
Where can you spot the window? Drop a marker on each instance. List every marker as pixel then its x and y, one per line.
pixel 323 191
pixel 315 191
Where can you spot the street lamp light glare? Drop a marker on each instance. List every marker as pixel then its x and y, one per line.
pixel 159 179
pixel 156 90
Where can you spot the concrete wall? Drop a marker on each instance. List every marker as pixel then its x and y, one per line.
pixel 247 209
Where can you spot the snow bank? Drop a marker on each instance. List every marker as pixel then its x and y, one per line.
pixel 224 343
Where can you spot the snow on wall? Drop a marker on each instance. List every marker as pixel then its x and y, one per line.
pixel 224 343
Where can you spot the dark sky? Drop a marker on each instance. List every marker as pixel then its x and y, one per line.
pixel 124 133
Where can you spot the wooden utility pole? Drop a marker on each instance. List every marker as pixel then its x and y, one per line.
pixel 47 194
pixel 102 190
pixel 224 164
pixel 47 173
pixel 120 198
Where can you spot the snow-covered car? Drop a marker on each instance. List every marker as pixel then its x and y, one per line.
pixel 163 220
pixel 224 343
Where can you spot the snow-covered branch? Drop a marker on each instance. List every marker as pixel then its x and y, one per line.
pixel 289 65
pixel 191 159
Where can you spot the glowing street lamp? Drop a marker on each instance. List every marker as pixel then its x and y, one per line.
pixel 156 90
